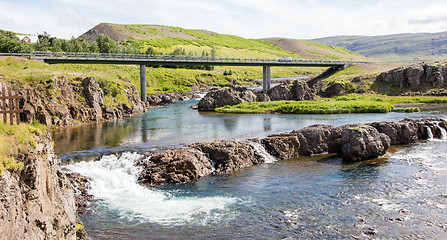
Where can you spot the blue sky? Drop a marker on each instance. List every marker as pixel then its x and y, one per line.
pixel 300 19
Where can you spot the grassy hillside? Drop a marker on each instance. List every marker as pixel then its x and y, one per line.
pixel 164 39
pixel 398 47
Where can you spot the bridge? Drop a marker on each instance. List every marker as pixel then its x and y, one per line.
pixel 169 60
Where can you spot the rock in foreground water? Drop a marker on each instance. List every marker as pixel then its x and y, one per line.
pixel 363 142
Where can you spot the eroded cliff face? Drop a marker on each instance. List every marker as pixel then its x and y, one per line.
pixel 38 202
pixel 64 102
pixel 422 78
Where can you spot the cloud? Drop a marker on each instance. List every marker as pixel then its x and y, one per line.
pixel 247 18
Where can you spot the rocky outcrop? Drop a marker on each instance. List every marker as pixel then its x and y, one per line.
pixel 434 126
pixel 174 166
pixel 64 102
pixel 230 156
pixel 38 202
pixel 315 139
pixel 401 132
pixel 418 77
pixel 363 142
pixel 81 185
pixel 353 142
pixel 161 99
pixel 219 97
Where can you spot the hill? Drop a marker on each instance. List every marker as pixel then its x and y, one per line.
pixel 165 39
pixel 396 47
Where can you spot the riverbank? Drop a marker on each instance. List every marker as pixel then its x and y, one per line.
pixel 38 200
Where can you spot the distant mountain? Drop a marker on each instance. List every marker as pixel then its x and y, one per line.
pixel 397 47
pixel 166 38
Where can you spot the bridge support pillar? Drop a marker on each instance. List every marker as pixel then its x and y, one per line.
pixel 266 79
pixel 143 83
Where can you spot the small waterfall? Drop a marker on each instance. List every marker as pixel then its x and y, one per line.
pixel 429 133
pixel 114 185
pixel 213 164
pixel 443 131
pixel 261 150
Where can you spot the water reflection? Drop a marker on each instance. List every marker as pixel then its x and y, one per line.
pixel 178 124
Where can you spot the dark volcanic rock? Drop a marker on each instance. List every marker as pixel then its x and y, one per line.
pixel 93 95
pixel 315 139
pixel 216 98
pixel 81 185
pixel 280 92
pixel 432 124
pixel 230 156
pixel 175 166
pixel 363 142
pixel 160 99
pixel 402 132
pixel 283 147
pixel 301 91
pixel 318 139
pixel 297 90
pixel 416 77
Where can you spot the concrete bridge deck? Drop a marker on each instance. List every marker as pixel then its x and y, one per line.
pixel 156 60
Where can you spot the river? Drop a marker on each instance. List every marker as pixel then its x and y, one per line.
pixel 400 195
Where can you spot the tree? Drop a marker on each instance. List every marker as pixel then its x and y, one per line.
pixel 9 43
pixel 105 44
pixel 213 52
pixel 151 51
pixel 44 41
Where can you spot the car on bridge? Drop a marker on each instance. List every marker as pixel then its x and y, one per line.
pixel 285 59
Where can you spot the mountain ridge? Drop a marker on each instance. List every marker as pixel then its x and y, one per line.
pixel 394 47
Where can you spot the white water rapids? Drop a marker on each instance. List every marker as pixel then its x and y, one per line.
pixel 115 185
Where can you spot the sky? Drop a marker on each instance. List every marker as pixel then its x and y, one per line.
pixel 299 19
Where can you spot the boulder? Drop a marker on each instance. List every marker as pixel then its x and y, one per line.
pixel 216 98
pixel 280 92
pixel 333 89
pixel 401 132
pixel 175 166
pixel 230 156
pixel 302 92
pixel 363 142
pixel 160 99
pixel 282 147
pixel 297 90
pixel 318 139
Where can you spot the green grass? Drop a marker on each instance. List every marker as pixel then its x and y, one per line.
pixel 353 103
pixel 310 107
pixel 17 139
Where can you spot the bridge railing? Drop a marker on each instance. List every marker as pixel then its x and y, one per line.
pixel 119 56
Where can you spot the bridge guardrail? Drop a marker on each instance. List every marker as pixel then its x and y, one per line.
pixel 56 55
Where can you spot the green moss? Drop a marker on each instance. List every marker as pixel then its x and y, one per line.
pixel 17 139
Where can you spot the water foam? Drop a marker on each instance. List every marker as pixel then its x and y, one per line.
pixel 261 150
pixel 115 185
pixel 443 131
pixel 430 133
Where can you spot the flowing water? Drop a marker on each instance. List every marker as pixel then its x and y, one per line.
pixel 401 195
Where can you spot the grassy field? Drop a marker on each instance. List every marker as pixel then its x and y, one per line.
pixel 346 104
pixel 115 77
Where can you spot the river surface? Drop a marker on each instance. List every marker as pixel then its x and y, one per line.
pixel 401 195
